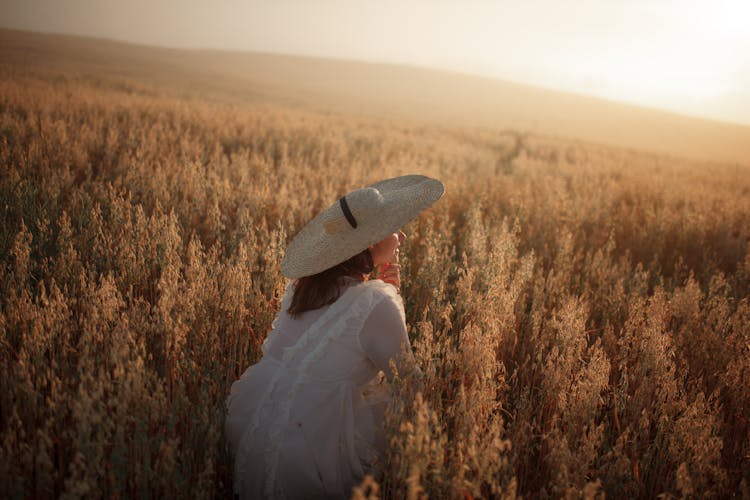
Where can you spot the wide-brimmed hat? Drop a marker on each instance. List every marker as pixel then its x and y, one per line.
pixel 356 221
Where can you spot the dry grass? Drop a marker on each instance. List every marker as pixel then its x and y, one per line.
pixel 580 313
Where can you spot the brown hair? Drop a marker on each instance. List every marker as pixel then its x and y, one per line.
pixel 324 288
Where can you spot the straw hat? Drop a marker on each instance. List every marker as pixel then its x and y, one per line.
pixel 356 221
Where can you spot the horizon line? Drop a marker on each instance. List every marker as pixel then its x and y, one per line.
pixel 395 64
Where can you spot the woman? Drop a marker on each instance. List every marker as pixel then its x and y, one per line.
pixel 306 421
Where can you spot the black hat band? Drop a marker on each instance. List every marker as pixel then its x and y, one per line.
pixel 347 212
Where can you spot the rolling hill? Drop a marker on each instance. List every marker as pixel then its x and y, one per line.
pixel 379 90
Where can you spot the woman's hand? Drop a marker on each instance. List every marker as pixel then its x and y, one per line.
pixel 390 273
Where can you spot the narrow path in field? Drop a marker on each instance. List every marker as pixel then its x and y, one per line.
pixel 504 163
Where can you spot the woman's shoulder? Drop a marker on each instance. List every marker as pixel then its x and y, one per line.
pixel 373 302
pixel 384 296
pixel 367 294
pixel 380 288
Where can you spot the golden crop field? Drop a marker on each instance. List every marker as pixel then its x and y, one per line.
pixel 580 312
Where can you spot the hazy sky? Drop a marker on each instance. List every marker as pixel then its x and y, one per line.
pixel 690 56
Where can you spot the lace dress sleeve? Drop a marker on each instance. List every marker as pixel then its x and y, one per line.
pixel 383 336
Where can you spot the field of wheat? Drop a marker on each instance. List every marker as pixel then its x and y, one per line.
pixel 580 313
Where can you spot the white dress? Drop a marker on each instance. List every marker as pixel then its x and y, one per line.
pixel 306 420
